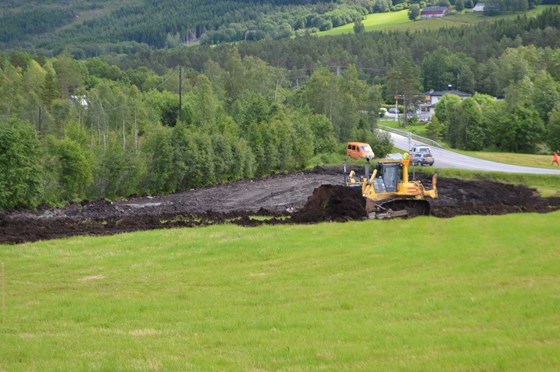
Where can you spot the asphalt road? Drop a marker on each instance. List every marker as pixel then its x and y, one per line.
pixel 450 159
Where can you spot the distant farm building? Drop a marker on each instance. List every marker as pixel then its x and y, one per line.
pixel 434 12
pixel 478 8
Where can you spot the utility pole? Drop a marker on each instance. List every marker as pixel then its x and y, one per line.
pixel 180 93
pixel 397 108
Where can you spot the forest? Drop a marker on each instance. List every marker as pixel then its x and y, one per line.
pixel 92 28
pixel 161 121
pixel 73 129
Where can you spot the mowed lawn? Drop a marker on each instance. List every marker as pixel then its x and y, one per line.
pixel 467 293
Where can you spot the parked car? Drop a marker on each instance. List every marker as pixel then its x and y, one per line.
pixel 421 149
pixel 422 158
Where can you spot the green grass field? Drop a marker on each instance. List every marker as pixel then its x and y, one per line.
pixel 527 160
pixel 398 21
pixel 468 293
pixel 415 128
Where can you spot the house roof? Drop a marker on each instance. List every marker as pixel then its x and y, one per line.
pixel 435 9
pixel 440 93
pixel 478 7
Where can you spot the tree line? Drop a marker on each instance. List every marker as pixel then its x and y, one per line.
pixel 507 59
pixel 111 26
pixel 463 57
pixel 73 129
pixel 92 28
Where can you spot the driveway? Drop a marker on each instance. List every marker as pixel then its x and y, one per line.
pixel 450 159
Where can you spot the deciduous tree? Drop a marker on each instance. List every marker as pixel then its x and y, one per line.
pixel 413 12
pixel 20 172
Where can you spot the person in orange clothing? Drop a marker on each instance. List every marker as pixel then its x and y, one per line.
pixel 555 160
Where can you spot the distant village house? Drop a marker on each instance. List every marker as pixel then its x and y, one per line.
pixel 478 8
pixel 434 12
pixel 427 110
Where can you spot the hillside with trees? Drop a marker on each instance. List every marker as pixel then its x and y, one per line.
pixel 91 28
pixel 113 126
pixel 73 129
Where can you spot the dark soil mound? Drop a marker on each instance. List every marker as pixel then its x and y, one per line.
pixel 268 200
pixel 20 230
pixel 456 197
pixel 460 197
pixel 332 203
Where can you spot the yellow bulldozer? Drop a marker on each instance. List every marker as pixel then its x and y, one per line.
pixel 390 193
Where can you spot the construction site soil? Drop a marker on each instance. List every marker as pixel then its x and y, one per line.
pixel 303 197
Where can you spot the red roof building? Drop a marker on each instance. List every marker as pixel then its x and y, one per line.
pixel 438 11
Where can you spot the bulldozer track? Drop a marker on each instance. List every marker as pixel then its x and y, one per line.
pixel 402 208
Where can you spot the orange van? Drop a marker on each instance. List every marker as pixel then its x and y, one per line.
pixel 359 150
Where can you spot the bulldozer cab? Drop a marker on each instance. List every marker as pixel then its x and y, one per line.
pixel 388 177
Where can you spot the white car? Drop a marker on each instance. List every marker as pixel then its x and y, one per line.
pixel 421 149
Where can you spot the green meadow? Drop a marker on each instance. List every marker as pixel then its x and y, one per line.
pixel 527 160
pixel 467 293
pixel 398 21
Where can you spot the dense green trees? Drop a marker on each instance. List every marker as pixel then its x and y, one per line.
pixel 413 12
pixel 80 129
pixel 90 28
pixel 494 7
pixel 480 122
pixel 120 26
pixel 20 171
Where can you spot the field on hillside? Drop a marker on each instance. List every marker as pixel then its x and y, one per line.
pixel 472 292
pixel 398 21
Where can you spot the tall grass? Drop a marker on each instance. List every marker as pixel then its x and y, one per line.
pixel 476 293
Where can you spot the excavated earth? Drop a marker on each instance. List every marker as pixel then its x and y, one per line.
pixel 303 197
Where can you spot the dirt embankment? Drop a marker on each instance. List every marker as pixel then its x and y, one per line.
pixel 288 198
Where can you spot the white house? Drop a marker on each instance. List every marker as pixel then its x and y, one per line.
pixel 478 8
pixel 427 110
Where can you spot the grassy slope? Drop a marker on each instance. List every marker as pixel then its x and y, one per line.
pixel 463 293
pixel 398 21
pixel 527 160
pixel 372 22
